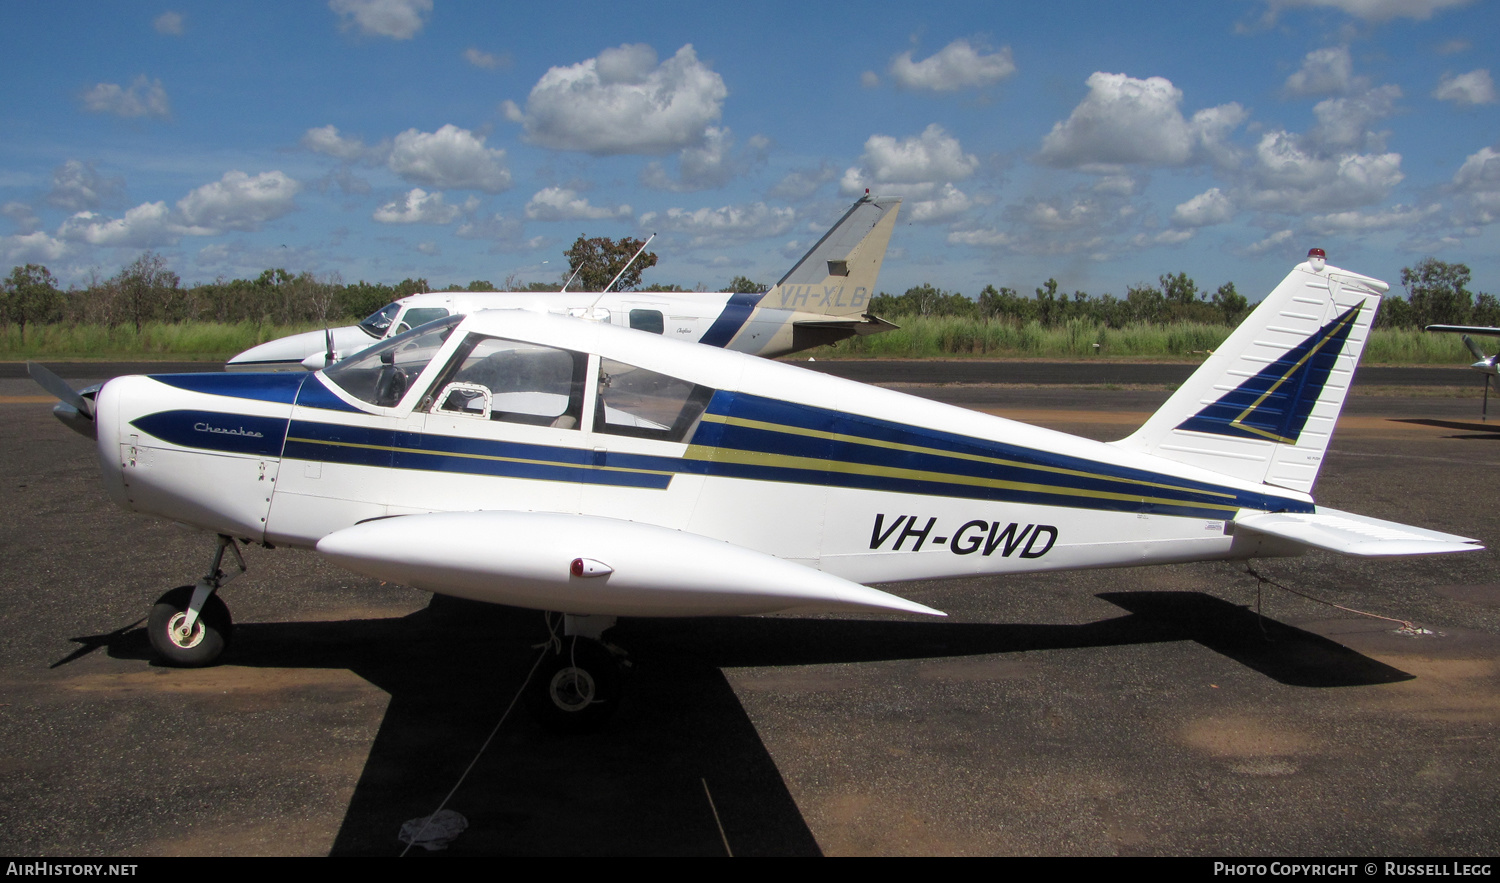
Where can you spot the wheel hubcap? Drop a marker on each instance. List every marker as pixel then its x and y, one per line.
pixel 572 689
pixel 180 636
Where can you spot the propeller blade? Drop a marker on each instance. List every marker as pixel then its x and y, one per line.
pixel 1474 348
pixel 60 388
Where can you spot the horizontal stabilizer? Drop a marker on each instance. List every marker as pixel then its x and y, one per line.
pixel 867 325
pixel 586 564
pixel 1350 534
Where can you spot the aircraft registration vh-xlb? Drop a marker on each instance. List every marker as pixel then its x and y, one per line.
pixel 595 471
pixel 822 299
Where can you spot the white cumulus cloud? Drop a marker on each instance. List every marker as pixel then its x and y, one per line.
pixel 802 183
pixel 37 247
pixel 146 226
pixel 956 66
pixel 1209 207
pixel 929 158
pixel 1126 121
pixel 624 102
pixel 238 201
pixel 77 186
pixel 562 204
pixel 486 60
pixel 730 222
pixel 327 140
pixel 1474 87
pixel 1324 72
pixel 1478 183
pixel 708 165
pixel 417 206
pixel 21 214
pixel 1353 222
pixel 169 24
pixel 397 19
pixel 1344 123
pixel 450 158
pixel 143 98
pixel 946 203
pixel 1288 177
pixel 1369 10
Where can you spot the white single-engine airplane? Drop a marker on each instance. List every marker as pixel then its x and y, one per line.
pixel 823 299
pixel 1487 365
pixel 539 461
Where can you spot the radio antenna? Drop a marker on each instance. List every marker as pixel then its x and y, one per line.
pixel 622 271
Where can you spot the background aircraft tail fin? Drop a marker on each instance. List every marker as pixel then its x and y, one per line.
pixel 1263 406
pixel 837 276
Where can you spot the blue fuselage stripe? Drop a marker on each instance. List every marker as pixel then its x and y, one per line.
pixel 788 443
pixel 736 313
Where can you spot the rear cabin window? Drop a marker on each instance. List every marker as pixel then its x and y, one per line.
pixel 648 320
pixel 646 404
pixel 421 316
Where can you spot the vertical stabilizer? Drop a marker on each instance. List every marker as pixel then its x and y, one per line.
pixel 837 276
pixel 1263 407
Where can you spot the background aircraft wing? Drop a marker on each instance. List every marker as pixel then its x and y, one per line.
pixel 1466 329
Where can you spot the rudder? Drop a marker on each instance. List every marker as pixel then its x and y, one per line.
pixel 1263 407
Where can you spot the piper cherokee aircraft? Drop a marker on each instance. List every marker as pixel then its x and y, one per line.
pixel 1486 364
pixel 598 472
pixel 823 299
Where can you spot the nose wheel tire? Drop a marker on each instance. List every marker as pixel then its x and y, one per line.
pixel 575 690
pixel 188 648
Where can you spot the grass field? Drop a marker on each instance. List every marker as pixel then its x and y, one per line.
pixel 917 338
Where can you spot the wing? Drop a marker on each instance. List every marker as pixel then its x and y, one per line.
pixel 591 565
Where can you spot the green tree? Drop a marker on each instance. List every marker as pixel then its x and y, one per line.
pixel 1145 304
pixel 1179 289
pixel 1231 303
pixel 599 260
pixel 145 286
pixel 1438 292
pixel 743 285
pixel 31 297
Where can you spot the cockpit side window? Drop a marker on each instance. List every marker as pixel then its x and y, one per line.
pixel 512 381
pixel 382 374
pixel 646 404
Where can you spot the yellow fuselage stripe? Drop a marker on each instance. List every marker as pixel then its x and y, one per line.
pixel 938 452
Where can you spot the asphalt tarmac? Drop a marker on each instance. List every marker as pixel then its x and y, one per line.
pixel 1143 711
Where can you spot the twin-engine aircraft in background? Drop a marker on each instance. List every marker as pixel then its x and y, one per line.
pixel 539 461
pixel 1485 365
pixel 823 299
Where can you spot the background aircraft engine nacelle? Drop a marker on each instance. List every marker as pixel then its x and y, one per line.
pixel 527 559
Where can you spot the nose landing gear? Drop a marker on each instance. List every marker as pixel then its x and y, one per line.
pixel 190 626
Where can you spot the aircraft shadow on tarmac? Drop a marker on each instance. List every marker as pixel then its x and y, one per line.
pixel 1487 431
pixel 642 786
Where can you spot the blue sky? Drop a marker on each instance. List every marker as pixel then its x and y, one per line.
pixel 1101 143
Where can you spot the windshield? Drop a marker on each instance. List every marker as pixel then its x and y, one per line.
pixel 379 322
pixel 382 374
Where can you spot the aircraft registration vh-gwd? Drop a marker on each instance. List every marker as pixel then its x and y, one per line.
pixel 599 472
pixel 822 299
